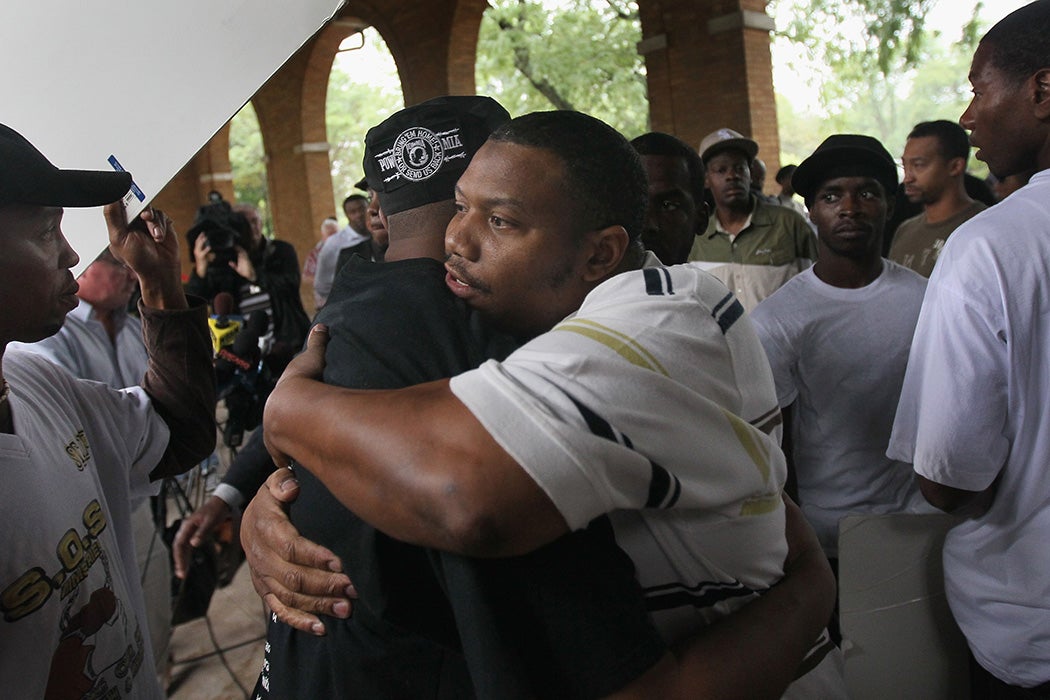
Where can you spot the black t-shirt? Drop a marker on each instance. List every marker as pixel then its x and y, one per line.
pixel 567 620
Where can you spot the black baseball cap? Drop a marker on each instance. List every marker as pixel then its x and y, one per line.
pixel 416 155
pixel 845 155
pixel 27 177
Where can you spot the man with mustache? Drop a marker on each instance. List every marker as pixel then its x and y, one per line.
pixel 934 160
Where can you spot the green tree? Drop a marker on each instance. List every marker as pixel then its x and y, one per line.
pixel 353 105
pixel 575 54
pixel 881 80
pixel 894 34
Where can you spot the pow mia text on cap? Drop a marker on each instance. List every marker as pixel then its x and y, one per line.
pixel 415 156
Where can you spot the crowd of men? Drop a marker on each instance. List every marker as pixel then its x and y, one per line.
pixel 552 419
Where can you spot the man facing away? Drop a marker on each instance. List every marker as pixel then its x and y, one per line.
pixel 752 246
pixel 973 413
pixel 75 453
pixel 934 159
pixel 534 233
pixel 837 338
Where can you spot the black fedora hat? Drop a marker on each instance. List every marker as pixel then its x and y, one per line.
pixel 845 155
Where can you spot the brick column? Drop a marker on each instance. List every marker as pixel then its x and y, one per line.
pixel 709 66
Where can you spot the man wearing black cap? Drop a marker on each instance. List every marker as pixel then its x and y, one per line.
pixel 751 245
pixel 837 337
pixel 74 453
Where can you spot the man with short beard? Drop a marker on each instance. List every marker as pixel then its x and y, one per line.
pixel 934 161
pixel 499 461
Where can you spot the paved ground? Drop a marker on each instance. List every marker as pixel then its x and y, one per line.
pixel 238 623
pixel 218 657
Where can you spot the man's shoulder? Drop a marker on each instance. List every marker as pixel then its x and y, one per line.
pixel 281 247
pixel 335 241
pixel 778 215
pixel 38 375
pixel 790 299
pixel 683 296
pixel 905 283
pixel 900 275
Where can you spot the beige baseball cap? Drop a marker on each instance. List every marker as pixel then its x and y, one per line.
pixel 724 139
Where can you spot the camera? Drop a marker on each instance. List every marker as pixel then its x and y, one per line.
pixel 223 228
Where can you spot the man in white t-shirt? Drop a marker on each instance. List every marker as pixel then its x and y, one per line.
pixel 973 413
pixel 837 337
pixel 102 342
pixel 74 453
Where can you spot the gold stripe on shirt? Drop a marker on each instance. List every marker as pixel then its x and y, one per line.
pixel 625 346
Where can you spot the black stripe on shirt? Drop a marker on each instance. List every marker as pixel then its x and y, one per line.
pixel 703 595
pixel 769 420
pixel 727 312
pixel 664 487
pixel 657 281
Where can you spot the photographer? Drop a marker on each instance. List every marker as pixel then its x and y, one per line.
pixel 230 254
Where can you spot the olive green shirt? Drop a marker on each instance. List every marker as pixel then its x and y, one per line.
pixel 775 244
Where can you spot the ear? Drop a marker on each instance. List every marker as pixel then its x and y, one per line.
pixel 1041 101
pixel 956 166
pixel 703 217
pixel 605 249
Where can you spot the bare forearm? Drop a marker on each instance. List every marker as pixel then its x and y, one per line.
pixel 414 463
pixel 773 634
pixel 966 504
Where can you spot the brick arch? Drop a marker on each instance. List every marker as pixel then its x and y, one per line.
pixel 208 170
pixel 708 65
pixel 463 46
